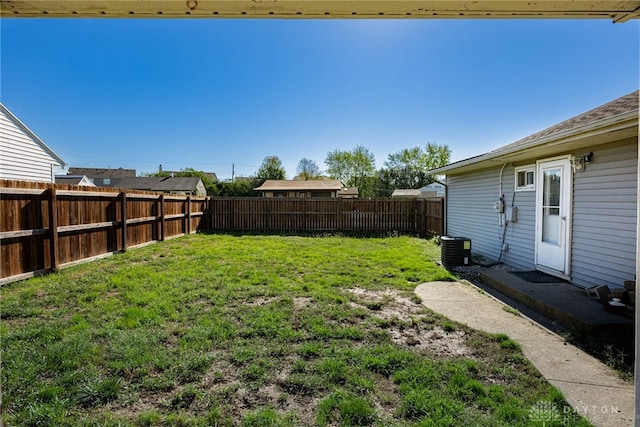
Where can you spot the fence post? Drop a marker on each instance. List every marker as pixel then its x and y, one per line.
pixel 123 215
pixel 420 216
pixel 304 214
pixel 233 216
pixel 162 224
pixel 53 228
pixel 425 213
pixel 188 212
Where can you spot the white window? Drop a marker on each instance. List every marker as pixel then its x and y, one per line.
pixel 525 178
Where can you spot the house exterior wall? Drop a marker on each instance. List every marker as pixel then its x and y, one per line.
pixel 604 217
pixel 603 248
pixel 21 158
pixel 470 214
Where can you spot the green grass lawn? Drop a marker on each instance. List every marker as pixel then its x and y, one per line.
pixel 221 330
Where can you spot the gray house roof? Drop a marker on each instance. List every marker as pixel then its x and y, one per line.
pixel 74 180
pixel 617 119
pixel 103 173
pixel 156 183
pixel 406 192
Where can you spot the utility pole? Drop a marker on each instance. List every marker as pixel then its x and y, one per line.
pixel 233 171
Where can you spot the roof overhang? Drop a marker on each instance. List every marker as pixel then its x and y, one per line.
pixel 612 129
pixel 293 185
pixel 617 11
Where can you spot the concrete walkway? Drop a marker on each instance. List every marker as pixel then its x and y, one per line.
pixel 590 387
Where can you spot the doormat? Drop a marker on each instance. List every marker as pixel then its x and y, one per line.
pixel 537 277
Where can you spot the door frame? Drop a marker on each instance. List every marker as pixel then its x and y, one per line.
pixel 566 212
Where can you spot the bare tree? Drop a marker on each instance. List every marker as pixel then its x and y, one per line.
pixel 307 169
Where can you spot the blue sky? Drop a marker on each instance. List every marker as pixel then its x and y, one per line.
pixel 211 93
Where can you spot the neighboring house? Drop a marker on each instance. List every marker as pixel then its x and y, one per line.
pixel 406 193
pixel 562 201
pixel 294 188
pixel 172 185
pixel 428 191
pixel 348 193
pixel 102 177
pixel 24 156
pixel 80 180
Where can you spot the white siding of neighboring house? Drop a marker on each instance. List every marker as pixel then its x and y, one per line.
pixel 470 214
pixel 604 217
pixel 201 190
pixel 434 186
pixel 21 157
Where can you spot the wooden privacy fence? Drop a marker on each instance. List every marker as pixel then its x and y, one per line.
pixel 421 216
pixel 47 226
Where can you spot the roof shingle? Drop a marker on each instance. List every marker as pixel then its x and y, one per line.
pixel 616 107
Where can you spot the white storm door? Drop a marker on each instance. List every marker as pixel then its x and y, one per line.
pixel 553 216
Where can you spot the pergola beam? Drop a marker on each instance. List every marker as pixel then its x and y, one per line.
pixel 617 11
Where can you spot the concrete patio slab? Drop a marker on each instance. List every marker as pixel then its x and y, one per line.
pixel 590 387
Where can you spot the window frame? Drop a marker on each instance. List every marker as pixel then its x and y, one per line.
pixel 525 169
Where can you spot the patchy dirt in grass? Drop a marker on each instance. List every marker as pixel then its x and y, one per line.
pixel 408 323
pixel 301 303
pixel 258 302
pixel 403 323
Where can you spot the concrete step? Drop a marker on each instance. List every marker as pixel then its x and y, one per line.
pixel 560 301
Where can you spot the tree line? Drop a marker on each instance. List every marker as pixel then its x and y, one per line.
pixel 407 169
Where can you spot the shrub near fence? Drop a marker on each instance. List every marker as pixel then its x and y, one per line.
pixel 277 215
pixel 47 226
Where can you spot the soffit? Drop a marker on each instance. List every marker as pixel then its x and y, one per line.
pixel 617 11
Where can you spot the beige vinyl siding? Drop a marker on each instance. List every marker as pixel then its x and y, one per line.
pixel 22 158
pixel 470 214
pixel 604 217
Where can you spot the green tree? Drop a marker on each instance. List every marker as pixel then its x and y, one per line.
pixel 437 156
pixel 354 168
pixel 409 168
pixel 240 187
pixel 406 168
pixel 271 168
pixel 307 169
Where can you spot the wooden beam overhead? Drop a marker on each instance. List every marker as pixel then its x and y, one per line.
pixel 617 11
